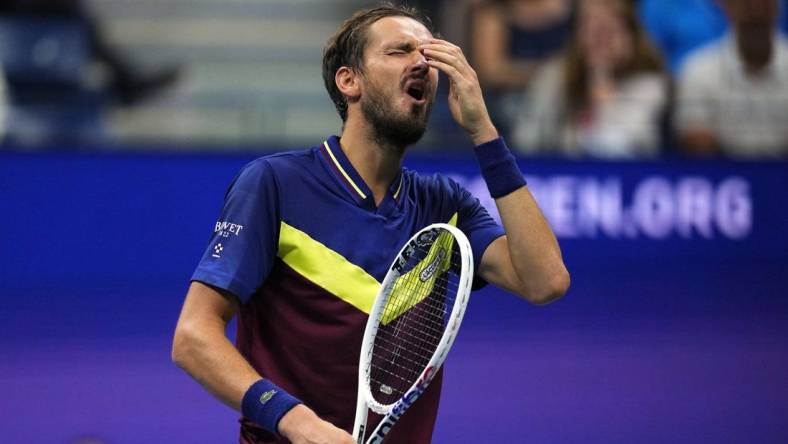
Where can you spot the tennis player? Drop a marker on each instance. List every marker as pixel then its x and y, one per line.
pixel 305 237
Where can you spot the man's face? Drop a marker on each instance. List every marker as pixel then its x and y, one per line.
pixel 754 21
pixel 398 87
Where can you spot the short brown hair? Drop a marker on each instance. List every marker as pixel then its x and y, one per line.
pixel 346 47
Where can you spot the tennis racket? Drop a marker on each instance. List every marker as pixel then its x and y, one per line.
pixel 412 325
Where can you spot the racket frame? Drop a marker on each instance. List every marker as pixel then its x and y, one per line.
pixel 394 411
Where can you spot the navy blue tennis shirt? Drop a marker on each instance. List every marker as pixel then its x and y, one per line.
pixel 302 245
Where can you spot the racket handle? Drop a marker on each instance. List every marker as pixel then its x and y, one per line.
pixel 360 426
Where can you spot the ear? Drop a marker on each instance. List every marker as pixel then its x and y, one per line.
pixel 348 82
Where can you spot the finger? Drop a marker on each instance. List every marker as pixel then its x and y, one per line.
pixel 455 76
pixel 444 57
pixel 454 51
pixel 461 67
pixel 447 57
pixel 443 45
pixel 442 42
pixel 446 68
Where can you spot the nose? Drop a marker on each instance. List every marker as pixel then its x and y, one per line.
pixel 420 66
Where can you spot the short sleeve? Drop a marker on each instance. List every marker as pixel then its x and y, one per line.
pixel 477 224
pixel 243 245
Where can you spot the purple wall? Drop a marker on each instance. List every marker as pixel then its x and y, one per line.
pixel 674 329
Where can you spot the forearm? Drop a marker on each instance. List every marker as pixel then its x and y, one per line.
pixel 202 349
pixel 533 249
pixel 531 264
pixel 209 357
pixel 206 354
pixel 527 261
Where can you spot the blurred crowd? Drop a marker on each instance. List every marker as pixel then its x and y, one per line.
pixel 58 71
pixel 636 79
pixel 610 79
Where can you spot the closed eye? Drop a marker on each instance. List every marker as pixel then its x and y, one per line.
pixel 401 48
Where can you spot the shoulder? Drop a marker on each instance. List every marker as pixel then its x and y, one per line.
pixel 444 191
pixel 436 184
pixel 781 43
pixel 706 60
pixel 781 54
pixel 284 160
pixel 781 39
pixel 273 167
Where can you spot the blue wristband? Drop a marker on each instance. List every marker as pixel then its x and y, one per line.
pixel 265 403
pixel 499 168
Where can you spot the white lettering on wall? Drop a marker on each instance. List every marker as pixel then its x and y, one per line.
pixel 656 207
pixel 733 208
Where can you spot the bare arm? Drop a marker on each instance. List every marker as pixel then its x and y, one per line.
pixel 489 42
pixel 201 348
pixel 527 261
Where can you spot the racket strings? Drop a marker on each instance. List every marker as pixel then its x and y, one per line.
pixel 414 318
pixel 415 342
pixel 428 320
pixel 401 355
pixel 406 365
pixel 405 338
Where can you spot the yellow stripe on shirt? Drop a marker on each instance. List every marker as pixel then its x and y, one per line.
pixel 326 268
pixel 330 270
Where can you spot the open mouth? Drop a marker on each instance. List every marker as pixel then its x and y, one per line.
pixel 416 88
pixel 416 91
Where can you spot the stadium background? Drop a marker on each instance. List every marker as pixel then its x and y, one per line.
pixel 674 329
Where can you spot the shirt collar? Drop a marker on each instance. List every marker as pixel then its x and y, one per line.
pixel 351 179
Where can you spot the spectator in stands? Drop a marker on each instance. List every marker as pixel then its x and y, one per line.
pixel 679 27
pixel 733 95
pixel 126 83
pixel 510 40
pixel 604 97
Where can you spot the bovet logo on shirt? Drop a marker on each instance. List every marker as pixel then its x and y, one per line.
pixel 225 229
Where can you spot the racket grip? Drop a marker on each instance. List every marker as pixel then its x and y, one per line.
pixel 360 425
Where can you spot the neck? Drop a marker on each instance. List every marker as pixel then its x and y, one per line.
pixel 755 47
pixel 377 162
